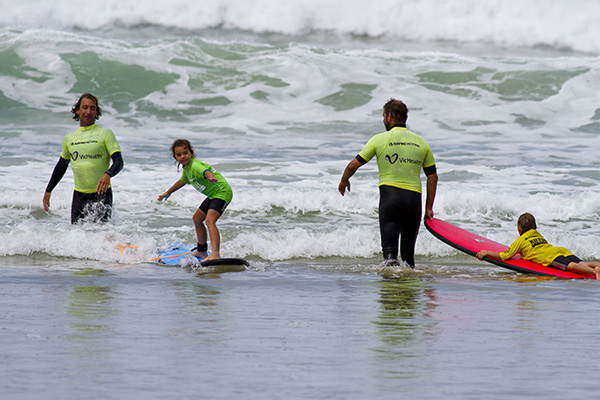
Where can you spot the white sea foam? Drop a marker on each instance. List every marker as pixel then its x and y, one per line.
pixel 522 23
pixel 273 222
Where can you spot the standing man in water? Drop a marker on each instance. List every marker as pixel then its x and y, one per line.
pixel 91 147
pixel 400 156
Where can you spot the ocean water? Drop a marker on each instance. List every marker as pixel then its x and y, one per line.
pixel 279 97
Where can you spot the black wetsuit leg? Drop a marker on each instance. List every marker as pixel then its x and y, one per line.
pixel 399 218
pixel 99 206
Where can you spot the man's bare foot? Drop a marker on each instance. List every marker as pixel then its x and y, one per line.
pixel 200 254
pixel 597 269
pixel 212 256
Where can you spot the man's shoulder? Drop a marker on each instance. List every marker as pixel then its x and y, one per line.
pixel 102 130
pixel 379 136
pixel 418 138
pixel 408 132
pixel 406 135
pixel 72 133
pixel 95 128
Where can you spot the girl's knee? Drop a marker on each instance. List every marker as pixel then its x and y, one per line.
pixel 199 216
pixel 211 221
pixel 211 218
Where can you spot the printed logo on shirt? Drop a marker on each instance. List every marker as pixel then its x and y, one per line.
pixel 199 187
pixel 537 241
pixel 394 157
pixel 85 142
pixel 404 144
pixel 75 155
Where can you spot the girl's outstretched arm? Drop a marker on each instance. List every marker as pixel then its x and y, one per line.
pixel 178 185
pixel 210 176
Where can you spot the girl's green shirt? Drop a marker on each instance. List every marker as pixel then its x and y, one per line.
pixel 193 174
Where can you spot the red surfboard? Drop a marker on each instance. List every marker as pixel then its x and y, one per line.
pixel 472 244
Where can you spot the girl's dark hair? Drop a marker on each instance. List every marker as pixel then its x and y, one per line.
pixel 526 222
pixel 181 143
pixel 76 106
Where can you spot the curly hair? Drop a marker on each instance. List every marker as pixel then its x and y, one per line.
pixel 181 143
pixel 76 106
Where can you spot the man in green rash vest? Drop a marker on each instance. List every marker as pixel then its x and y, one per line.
pixel 401 154
pixel 90 149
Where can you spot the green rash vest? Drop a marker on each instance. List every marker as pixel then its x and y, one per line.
pixel 400 156
pixel 533 247
pixel 193 174
pixel 89 148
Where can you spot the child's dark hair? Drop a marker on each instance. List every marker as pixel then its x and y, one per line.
pixel 526 222
pixel 181 143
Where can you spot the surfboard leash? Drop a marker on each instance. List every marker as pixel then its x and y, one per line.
pixel 173 256
pixel 122 247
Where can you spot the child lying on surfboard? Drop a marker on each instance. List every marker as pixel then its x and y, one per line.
pixel 533 247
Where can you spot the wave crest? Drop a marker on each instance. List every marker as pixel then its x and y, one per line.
pixel 510 23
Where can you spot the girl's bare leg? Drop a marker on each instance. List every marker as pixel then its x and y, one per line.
pixel 213 232
pixel 201 236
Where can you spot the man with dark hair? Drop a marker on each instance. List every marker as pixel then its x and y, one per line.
pixel 400 156
pixel 91 147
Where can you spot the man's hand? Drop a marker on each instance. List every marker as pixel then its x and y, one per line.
pixel 103 184
pixel 343 186
pixel 429 213
pixel 46 201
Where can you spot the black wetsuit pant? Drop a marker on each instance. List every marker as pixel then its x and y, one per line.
pixel 399 219
pixel 94 205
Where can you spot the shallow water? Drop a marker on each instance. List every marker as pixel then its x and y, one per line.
pixel 295 331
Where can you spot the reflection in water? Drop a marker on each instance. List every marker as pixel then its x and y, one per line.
pixel 200 314
pixel 90 305
pixel 211 272
pixel 527 313
pixel 405 305
pixel 196 297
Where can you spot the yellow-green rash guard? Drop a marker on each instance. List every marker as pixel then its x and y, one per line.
pixel 89 149
pixel 193 174
pixel 400 156
pixel 533 247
